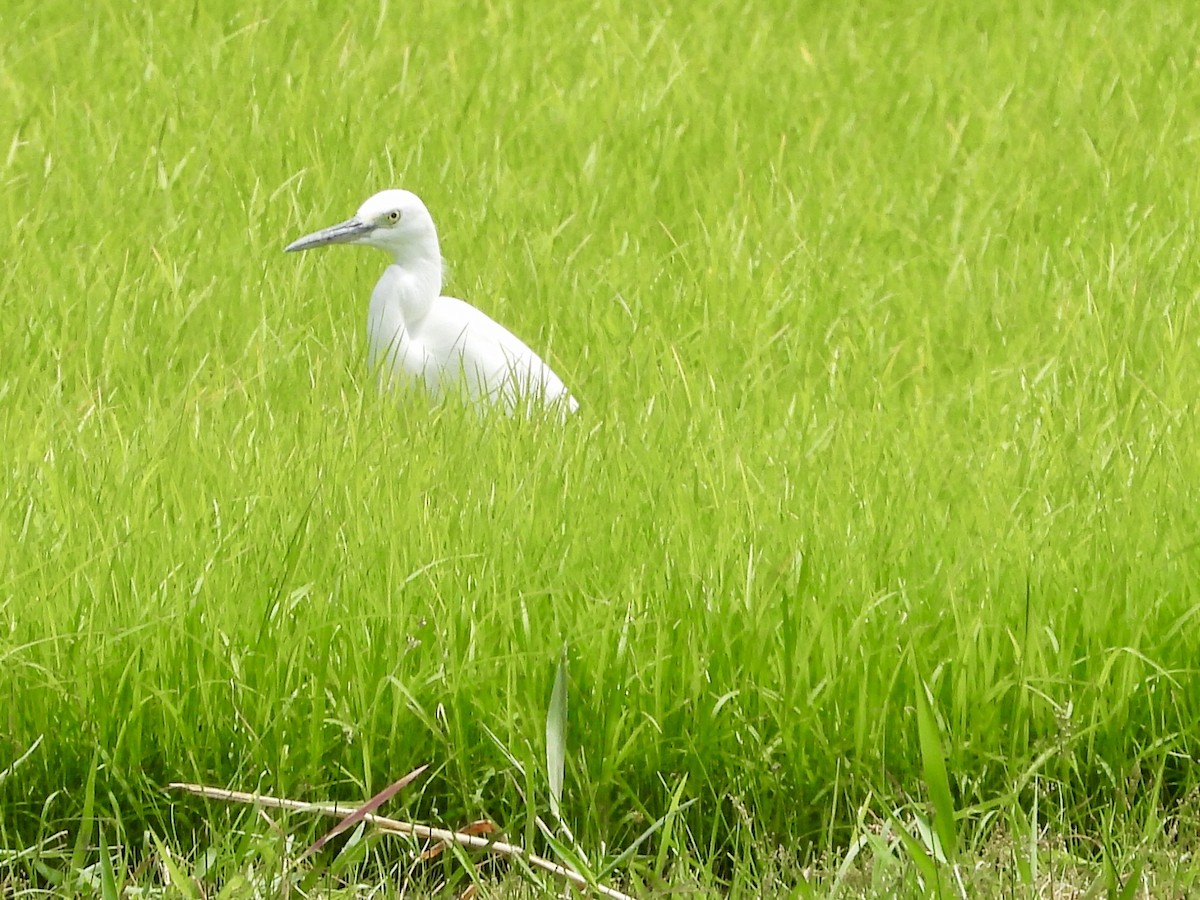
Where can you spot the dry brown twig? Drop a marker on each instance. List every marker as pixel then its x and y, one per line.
pixel 395 826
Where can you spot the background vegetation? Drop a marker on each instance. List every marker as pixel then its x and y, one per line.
pixel 884 323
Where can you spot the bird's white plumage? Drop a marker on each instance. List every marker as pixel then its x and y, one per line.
pixel 413 332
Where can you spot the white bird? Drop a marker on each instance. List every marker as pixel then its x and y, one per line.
pixel 441 341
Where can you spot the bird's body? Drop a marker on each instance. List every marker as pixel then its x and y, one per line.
pixel 454 346
pixel 413 332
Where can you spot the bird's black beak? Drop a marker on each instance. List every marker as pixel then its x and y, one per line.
pixel 343 233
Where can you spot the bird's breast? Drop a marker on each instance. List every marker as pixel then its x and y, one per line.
pixel 393 346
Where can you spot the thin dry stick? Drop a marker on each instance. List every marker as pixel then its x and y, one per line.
pixel 395 826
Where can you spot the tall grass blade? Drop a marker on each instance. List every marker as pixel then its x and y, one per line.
pixel 933 764
pixel 556 735
pixel 83 839
pixel 108 877
pixel 178 878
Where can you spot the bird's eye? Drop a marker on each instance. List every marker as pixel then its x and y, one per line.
pixel 394 216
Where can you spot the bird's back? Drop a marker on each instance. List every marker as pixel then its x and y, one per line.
pixel 455 344
pixel 494 363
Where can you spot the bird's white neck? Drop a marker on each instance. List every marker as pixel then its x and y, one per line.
pixel 420 281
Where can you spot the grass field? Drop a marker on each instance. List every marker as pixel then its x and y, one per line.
pixel 875 546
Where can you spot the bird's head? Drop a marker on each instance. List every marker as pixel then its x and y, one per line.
pixel 393 220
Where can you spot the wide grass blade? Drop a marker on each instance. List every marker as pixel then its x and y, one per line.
pixel 87 821
pixel 556 735
pixel 925 863
pixel 178 878
pixel 108 877
pixel 933 764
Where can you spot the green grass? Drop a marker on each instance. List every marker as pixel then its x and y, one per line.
pixel 884 323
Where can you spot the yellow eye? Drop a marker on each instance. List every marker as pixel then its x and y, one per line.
pixel 394 216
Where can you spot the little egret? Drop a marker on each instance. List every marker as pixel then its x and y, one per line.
pixel 412 330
